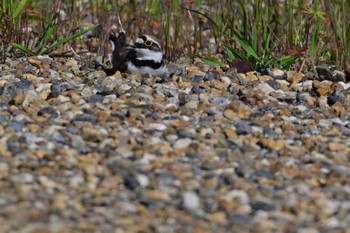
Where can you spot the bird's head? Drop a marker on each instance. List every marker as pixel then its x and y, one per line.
pixel 148 48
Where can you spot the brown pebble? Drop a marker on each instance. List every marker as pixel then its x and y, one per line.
pixel 271 144
pixel 322 88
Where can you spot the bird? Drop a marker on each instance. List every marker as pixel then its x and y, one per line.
pixel 144 56
pixel 120 53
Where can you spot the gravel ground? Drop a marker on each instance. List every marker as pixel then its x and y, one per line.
pixel 205 150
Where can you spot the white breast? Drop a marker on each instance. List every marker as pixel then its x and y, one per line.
pixel 146 54
pixel 163 70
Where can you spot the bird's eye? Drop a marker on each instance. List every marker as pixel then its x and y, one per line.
pixel 148 43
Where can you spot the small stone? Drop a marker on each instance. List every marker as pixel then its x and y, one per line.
pixel 261 205
pixel 15 126
pixel 157 126
pixel 264 78
pixel 291 171
pixel 239 196
pixel 25 178
pixel 19 98
pixel 264 88
pixel 204 67
pixel 182 143
pixel 220 101
pixel 334 146
pixel 219 84
pixel 308 230
pixel 218 217
pixel 143 180
pixel 192 71
pixel 225 79
pixel 230 114
pixel 43 62
pixel 128 207
pixel 240 219
pixel 322 88
pixel 294 77
pixel 251 76
pixel 191 201
pixel 277 73
pixel 338 108
pixel 193 104
pixel 271 144
pixel 4 170
pixel 242 127
pixel 59 201
pixel 156 195
pixel 87 92
pixel 131 182
pixel 324 73
pixel 241 109
pixel 76 181
pixel 95 98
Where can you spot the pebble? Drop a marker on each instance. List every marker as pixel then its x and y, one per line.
pixel 265 88
pixel 182 143
pixel 324 73
pixel 4 170
pixel 294 77
pixel 242 127
pixel 322 88
pixel 205 150
pixel 157 126
pixel 191 201
pixel 277 73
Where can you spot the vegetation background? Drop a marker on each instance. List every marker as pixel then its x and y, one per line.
pixel 295 34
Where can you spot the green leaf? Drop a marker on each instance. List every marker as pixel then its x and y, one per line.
pixel 246 46
pixel 313 42
pixel 229 52
pixel 71 37
pixel 236 53
pixel 266 40
pixel 23 49
pixel 48 34
pixel 19 8
pixel 285 61
pixel 211 61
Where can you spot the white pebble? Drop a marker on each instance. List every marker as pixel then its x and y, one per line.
pixel 157 126
pixel 143 180
pixel 191 201
pixel 225 79
pixel 182 143
pixel 265 88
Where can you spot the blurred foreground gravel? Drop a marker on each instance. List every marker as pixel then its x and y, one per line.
pixel 204 150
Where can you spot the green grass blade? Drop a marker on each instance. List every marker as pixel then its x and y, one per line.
pixel 23 49
pixel 246 46
pixel 48 34
pixel 229 53
pixel 285 61
pixel 211 61
pixel 237 54
pixel 313 43
pixel 19 8
pixel 71 37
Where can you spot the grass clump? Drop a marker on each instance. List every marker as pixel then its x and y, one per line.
pixel 290 33
pixel 37 28
pixel 283 34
